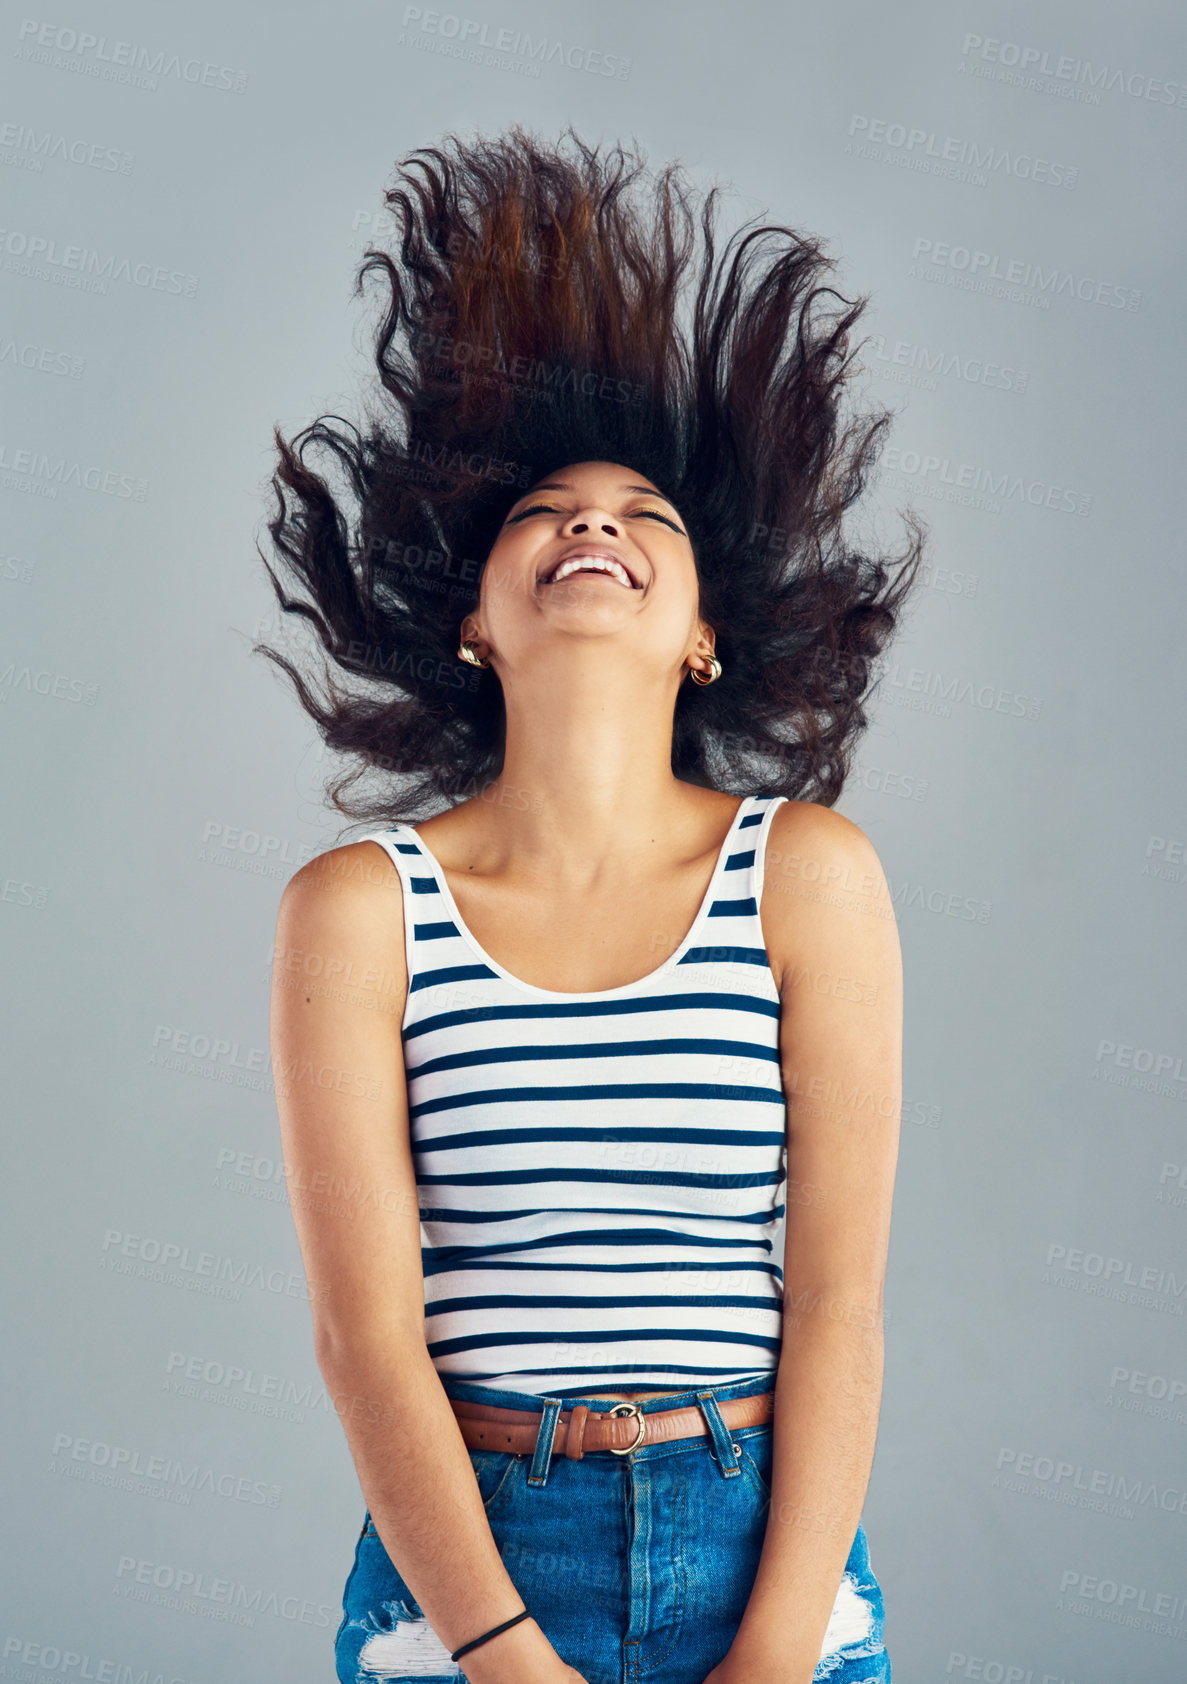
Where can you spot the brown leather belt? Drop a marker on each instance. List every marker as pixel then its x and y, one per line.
pixel 486 1426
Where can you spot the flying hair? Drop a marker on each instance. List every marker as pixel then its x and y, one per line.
pixel 551 304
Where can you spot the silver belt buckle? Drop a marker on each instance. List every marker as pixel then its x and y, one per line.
pixel 629 1409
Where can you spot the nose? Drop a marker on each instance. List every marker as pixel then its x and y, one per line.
pixel 580 524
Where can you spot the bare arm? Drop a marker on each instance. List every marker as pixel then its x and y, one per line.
pixel 830 930
pixel 339 987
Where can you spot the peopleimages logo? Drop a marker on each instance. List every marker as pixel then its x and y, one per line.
pixel 57 684
pixel 1010 61
pixel 1122 1604
pixel 921 365
pixel 910 146
pixel 30 149
pixel 42 359
pixel 193 1591
pixel 82 269
pixel 980 268
pixel 36 471
pixel 64 48
pixel 73 1663
pixel 993 488
pixel 168 1263
pixel 466 35
pixel 1123 1278
pixel 127 1467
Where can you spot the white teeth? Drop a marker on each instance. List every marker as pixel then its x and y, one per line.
pixel 578 563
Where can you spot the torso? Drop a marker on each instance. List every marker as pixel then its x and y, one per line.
pixel 601 942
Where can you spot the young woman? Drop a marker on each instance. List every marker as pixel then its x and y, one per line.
pixel 609 997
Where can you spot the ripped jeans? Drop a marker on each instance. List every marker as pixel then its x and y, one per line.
pixel 637 1568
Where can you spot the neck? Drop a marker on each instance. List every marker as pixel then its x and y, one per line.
pixel 587 775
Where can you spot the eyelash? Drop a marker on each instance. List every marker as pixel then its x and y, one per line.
pixel 534 508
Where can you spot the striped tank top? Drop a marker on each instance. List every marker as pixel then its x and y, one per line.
pixel 599 1174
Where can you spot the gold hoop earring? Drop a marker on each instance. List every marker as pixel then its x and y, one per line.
pixel 467 654
pixel 714 672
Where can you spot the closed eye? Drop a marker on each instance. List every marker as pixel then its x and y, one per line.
pixel 549 508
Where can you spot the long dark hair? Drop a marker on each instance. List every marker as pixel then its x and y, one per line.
pixel 537 316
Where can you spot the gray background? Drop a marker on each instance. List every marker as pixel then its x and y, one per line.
pixel 1019 779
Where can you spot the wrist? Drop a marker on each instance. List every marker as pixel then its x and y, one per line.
pixel 772 1657
pixel 495 1631
pixel 520 1655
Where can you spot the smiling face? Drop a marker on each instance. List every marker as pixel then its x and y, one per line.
pixel 591 552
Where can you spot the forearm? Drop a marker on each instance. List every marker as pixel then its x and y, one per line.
pixel 420 1489
pixel 827 1397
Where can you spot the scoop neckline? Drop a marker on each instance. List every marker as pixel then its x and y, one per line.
pixel 623 989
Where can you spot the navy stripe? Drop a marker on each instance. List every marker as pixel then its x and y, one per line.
pixel 611 1236
pixel 656 1133
pixel 706 1375
pixel 734 908
pixel 452 973
pixel 504 1264
pixel 612 1177
pixel 619 1236
pixel 594 1336
pixel 561 1301
pixel 601 1049
pixel 725 956
pixel 600 1091
pixel 677 1001
pixel 435 932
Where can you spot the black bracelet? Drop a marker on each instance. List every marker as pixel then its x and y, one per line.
pixel 473 1644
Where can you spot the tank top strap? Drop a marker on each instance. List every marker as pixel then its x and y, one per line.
pixel 434 946
pixel 730 931
pixel 753 829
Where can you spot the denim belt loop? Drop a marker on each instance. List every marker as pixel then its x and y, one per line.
pixel 542 1455
pixel 723 1445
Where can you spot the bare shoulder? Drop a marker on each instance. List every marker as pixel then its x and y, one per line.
pixel 345 908
pixel 825 898
pixel 825 844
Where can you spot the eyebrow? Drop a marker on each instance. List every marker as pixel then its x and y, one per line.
pixel 562 485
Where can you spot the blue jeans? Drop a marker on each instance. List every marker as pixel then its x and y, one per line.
pixel 637 1568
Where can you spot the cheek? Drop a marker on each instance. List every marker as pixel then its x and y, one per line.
pixel 678 593
pixel 505 595
pixel 506 581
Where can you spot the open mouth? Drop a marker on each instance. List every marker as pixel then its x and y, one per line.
pixel 590 566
